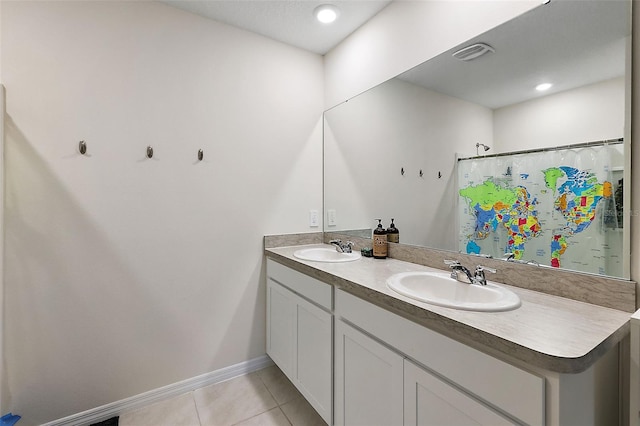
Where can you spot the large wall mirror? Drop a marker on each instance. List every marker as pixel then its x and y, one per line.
pixel 465 154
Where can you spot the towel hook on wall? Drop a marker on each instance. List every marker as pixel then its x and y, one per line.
pixel 82 147
pixel 200 155
pixel 149 152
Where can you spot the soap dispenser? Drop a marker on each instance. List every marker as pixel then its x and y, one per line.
pixel 393 234
pixel 379 241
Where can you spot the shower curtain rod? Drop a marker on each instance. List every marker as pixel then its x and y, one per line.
pixel 556 148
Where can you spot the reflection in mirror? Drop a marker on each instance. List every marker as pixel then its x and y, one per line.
pixel 553 206
pixel 392 152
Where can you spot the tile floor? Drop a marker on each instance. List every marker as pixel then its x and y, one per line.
pixel 262 398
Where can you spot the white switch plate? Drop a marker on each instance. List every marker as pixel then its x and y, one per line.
pixel 331 217
pixel 313 218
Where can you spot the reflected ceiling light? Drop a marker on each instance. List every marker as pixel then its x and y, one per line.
pixel 326 13
pixel 544 86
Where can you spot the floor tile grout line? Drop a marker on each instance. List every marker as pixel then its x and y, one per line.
pixel 267 386
pixel 195 404
pixel 273 396
pixel 285 415
pixel 268 391
pixel 259 414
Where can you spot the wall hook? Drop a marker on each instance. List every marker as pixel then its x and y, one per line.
pixel 439 175
pixel 200 155
pixel 149 152
pixel 402 171
pixel 82 147
pixel 420 173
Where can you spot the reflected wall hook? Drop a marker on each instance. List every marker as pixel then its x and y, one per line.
pixel 82 147
pixel 402 171
pixel 149 152
pixel 200 155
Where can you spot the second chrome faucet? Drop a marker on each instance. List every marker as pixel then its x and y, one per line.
pixel 342 247
pixel 463 274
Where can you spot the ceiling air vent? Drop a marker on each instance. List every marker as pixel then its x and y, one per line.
pixel 472 52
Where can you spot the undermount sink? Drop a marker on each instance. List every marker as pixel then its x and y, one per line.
pixel 325 254
pixel 438 288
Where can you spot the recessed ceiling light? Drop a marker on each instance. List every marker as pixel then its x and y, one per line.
pixel 326 13
pixel 544 86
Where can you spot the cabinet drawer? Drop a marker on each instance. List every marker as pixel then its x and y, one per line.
pixel 316 291
pixel 510 389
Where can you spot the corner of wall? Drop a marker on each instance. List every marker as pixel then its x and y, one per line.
pixel 3 373
pixel 634 122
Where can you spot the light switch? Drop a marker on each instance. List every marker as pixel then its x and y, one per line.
pixel 313 218
pixel 331 217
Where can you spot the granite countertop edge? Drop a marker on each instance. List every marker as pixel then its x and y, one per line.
pixel 470 327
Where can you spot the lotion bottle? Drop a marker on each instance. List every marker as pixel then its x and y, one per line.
pixel 379 241
pixel 393 234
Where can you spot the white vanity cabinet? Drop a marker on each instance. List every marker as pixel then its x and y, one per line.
pixel 377 386
pixel 359 363
pixel 443 381
pixel 299 333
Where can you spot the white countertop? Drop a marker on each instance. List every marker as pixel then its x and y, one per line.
pixel 550 332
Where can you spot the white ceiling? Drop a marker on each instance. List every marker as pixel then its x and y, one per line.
pixel 570 43
pixel 289 21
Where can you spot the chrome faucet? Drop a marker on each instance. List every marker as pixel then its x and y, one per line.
pixel 479 277
pixel 509 257
pixel 342 248
pixel 462 274
pixel 459 272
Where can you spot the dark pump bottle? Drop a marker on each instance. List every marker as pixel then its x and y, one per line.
pixel 393 235
pixel 379 241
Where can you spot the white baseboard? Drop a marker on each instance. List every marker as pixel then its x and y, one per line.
pixel 137 401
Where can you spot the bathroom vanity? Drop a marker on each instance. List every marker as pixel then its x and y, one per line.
pixel 362 354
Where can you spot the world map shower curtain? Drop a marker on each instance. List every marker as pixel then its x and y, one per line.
pixel 560 208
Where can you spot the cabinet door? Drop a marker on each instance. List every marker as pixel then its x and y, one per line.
pixel 368 378
pixel 430 401
pixel 281 327
pixel 299 341
pixel 313 356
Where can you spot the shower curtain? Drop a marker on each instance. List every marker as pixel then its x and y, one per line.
pixel 552 207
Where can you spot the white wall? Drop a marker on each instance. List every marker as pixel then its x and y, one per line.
pixel 123 273
pixel 587 114
pixel 398 125
pixel 405 34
